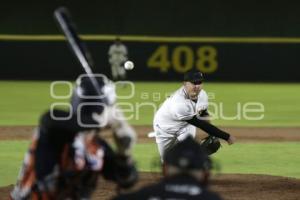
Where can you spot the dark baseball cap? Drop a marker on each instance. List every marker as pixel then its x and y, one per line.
pixel 193 76
pixel 188 155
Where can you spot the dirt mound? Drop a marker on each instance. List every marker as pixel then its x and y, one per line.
pixel 233 187
pixel 4 192
pixel 242 134
pixel 246 187
pixel 230 186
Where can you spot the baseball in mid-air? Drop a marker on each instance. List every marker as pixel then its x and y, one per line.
pixel 128 65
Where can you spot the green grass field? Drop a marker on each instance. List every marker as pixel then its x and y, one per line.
pixel 22 103
pixel 281 159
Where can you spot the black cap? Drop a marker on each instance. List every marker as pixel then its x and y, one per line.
pixel 193 76
pixel 188 155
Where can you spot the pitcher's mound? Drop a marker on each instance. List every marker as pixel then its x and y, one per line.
pixel 229 186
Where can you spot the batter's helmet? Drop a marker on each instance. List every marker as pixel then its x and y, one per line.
pixel 88 98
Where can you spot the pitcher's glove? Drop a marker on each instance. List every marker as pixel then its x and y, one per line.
pixel 211 144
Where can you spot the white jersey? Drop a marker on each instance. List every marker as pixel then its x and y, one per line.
pixel 117 54
pixel 171 117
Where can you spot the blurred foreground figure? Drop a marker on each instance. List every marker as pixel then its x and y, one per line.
pixel 186 170
pixel 67 154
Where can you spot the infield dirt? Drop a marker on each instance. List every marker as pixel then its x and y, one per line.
pixel 230 186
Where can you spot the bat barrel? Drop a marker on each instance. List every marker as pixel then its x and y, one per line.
pixel 67 26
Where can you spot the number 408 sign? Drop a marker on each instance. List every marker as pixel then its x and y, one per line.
pixel 183 58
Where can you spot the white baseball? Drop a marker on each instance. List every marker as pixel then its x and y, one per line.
pixel 128 65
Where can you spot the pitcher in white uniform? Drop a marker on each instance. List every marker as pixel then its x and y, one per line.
pixel 182 112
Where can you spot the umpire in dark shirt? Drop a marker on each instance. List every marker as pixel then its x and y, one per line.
pixel 186 170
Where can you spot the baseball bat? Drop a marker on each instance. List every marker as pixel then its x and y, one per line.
pixel 77 46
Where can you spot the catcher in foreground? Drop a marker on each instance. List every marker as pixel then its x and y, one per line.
pixel 186 175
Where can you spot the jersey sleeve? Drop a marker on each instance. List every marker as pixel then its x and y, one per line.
pixel 110 50
pixel 125 51
pixel 202 103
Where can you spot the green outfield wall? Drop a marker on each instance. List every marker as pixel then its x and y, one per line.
pixel 227 40
pixel 156 60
